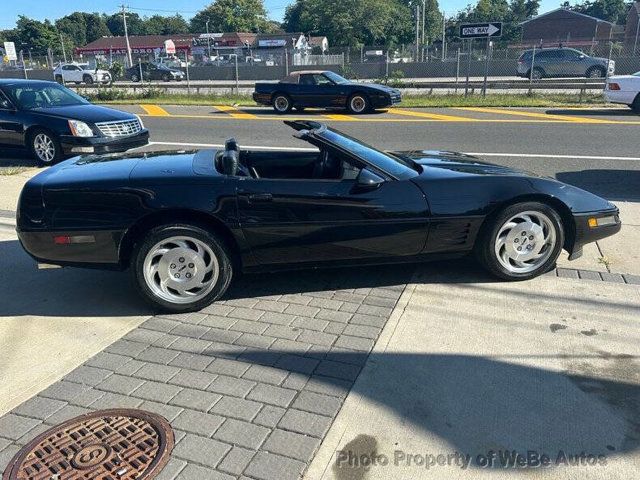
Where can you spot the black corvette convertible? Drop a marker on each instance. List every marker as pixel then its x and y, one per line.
pixel 185 222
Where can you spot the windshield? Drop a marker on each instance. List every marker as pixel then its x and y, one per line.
pixel 335 77
pixel 397 167
pixel 46 95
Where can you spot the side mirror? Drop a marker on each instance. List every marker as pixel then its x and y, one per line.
pixel 367 180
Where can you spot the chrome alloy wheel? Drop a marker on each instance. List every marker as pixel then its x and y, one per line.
pixel 358 104
pixel 44 147
pixel 525 242
pixel 281 103
pixel 181 270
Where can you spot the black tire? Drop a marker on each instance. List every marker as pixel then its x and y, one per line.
pixel 217 246
pixel 59 79
pixel 358 103
pixel 635 106
pixel 596 72
pixel 486 243
pixel 281 103
pixel 165 77
pixel 87 79
pixel 135 78
pixel 40 135
pixel 538 73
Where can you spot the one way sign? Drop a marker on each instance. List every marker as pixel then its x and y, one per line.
pixel 481 30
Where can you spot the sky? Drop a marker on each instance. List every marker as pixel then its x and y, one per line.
pixel 53 9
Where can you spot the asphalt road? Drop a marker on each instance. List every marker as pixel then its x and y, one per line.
pixel 596 149
pixel 593 149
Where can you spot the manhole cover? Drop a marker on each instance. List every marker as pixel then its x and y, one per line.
pixel 120 444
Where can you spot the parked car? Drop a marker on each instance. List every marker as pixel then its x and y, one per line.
pixel 563 62
pixel 53 122
pixel 171 62
pixel 152 71
pixel 185 223
pixel 80 73
pixel 624 89
pixel 324 89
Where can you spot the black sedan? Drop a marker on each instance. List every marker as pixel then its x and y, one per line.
pixel 185 223
pixel 53 122
pixel 324 89
pixel 152 71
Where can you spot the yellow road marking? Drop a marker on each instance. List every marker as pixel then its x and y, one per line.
pixel 396 120
pixel 234 112
pixel 547 116
pixel 155 110
pixel 341 117
pixel 431 116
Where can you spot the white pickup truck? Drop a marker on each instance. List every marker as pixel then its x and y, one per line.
pixel 80 73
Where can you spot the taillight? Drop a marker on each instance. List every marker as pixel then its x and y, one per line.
pixel 614 86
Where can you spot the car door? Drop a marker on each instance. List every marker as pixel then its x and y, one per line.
pixel 306 92
pixel 316 221
pixel 11 126
pixel 330 94
pixel 574 61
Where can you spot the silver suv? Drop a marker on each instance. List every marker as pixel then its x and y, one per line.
pixel 563 62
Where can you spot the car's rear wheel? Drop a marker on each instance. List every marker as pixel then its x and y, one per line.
pixel 165 77
pixel 521 242
pixel 282 103
pixel 135 77
pixel 537 73
pixel 88 80
pixel 358 103
pixel 181 268
pixel 59 79
pixel 596 72
pixel 44 147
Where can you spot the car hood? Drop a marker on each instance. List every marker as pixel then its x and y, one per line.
pixel 457 162
pixel 378 87
pixel 86 113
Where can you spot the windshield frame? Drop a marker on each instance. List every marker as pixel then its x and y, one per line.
pixel 335 78
pixel 11 89
pixel 390 165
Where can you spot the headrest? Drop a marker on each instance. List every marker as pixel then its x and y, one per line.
pixel 230 162
pixel 28 98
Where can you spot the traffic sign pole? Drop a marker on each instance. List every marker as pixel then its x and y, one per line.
pixel 486 68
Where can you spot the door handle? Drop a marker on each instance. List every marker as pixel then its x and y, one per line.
pixel 260 197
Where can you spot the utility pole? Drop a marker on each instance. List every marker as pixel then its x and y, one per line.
pixel 444 32
pixel 424 10
pixel 208 39
pixel 64 52
pixel 635 45
pixel 126 34
pixel 417 32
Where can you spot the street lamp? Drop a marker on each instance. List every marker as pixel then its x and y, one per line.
pixel 208 39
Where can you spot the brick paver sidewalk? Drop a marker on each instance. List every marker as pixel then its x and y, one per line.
pixel 250 385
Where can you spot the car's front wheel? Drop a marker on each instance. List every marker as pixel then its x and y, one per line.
pixel 358 103
pixel 181 268
pixel 44 147
pixel 522 242
pixel 635 106
pixel 596 72
pixel 88 80
pixel 135 77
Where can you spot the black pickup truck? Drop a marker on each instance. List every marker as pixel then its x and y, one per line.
pixel 324 89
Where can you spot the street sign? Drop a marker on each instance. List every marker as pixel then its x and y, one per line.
pixel 481 30
pixel 10 50
pixel 169 47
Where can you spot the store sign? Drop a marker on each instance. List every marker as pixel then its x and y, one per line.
pixel 169 47
pixel 10 50
pixel 272 43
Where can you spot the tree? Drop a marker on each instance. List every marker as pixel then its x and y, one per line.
pixel 353 22
pixel 232 16
pixel 81 28
pixel 135 24
pixel 159 25
pixel 610 10
pixel 36 36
